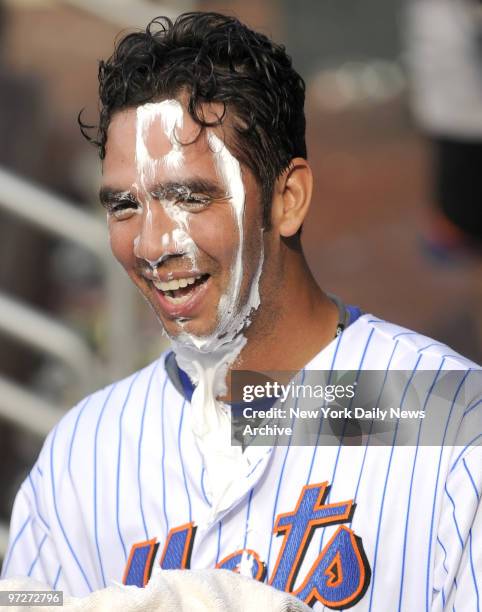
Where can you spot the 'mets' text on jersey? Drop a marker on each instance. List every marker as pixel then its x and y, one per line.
pixel 339 577
pixel 120 491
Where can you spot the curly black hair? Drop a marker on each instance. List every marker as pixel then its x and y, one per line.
pixel 212 58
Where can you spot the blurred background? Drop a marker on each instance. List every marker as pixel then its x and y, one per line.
pixel 394 114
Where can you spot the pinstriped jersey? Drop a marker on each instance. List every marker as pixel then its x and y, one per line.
pixel 119 491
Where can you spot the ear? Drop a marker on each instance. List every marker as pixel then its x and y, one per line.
pixel 292 197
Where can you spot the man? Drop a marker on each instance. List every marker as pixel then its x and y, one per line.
pixel 206 187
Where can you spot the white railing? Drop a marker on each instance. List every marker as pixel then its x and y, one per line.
pixel 46 335
pixel 26 409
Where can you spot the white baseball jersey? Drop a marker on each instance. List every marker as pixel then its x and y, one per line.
pixel 120 490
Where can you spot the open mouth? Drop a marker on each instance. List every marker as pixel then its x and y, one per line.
pixel 181 290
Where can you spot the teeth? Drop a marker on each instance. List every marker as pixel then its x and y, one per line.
pixel 173 285
pixel 177 300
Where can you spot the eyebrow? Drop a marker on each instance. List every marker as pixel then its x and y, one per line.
pixel 110 195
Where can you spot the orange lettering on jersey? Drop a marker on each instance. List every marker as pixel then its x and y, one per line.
pixel 334 572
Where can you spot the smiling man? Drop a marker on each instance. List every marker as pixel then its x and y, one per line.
pixel 206 187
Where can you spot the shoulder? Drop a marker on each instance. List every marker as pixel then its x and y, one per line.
pixel 406 347
pixel 105 407
pixel 422 372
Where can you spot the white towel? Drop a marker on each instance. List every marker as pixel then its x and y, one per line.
pixel 173 591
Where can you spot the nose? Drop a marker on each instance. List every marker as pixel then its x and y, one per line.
pixel 155 242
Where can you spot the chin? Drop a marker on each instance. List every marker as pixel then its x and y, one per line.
pixel 176 328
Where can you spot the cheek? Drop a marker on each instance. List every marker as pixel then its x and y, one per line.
pixel 122 236
pixel 216 234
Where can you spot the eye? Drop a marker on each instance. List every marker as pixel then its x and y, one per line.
pixel 193 202
pixel 122 209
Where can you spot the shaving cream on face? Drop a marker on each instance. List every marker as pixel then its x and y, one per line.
pixel 169 115
pixel 206 359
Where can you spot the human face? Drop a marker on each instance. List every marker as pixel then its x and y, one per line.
pixel 185 220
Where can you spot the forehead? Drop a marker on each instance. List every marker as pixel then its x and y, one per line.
pixel 152 132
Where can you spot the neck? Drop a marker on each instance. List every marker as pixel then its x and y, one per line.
pixel 293 323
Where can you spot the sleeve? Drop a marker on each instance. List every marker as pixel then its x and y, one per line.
pixel 458 556
pixel 31 549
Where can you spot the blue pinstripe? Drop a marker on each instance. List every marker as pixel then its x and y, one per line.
pixel 455 518
pixel 36 503
pixel 320 429
pixel 470 408
pixel 74 432
pixel 429 393
pixel 429 556
pixel 219 541
pixel 37 556
pixel 377 540
pixel 179 446
pixel 424 348
pixel 407 333
pixel 69 469
pixel 203 489
pixel 15 540
pixel 54 499
pixel 377 403
pixel 445 555
pixel 96 533
pixel 280 480
pixel 255 466
pixel 139 447
pixel 471 480
pixel 471 443
pixel 163 455
pixel 54 586
pixel 444 566
pixel 119 454
pixel 473 571
pixel 248 511
pixel 340 445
